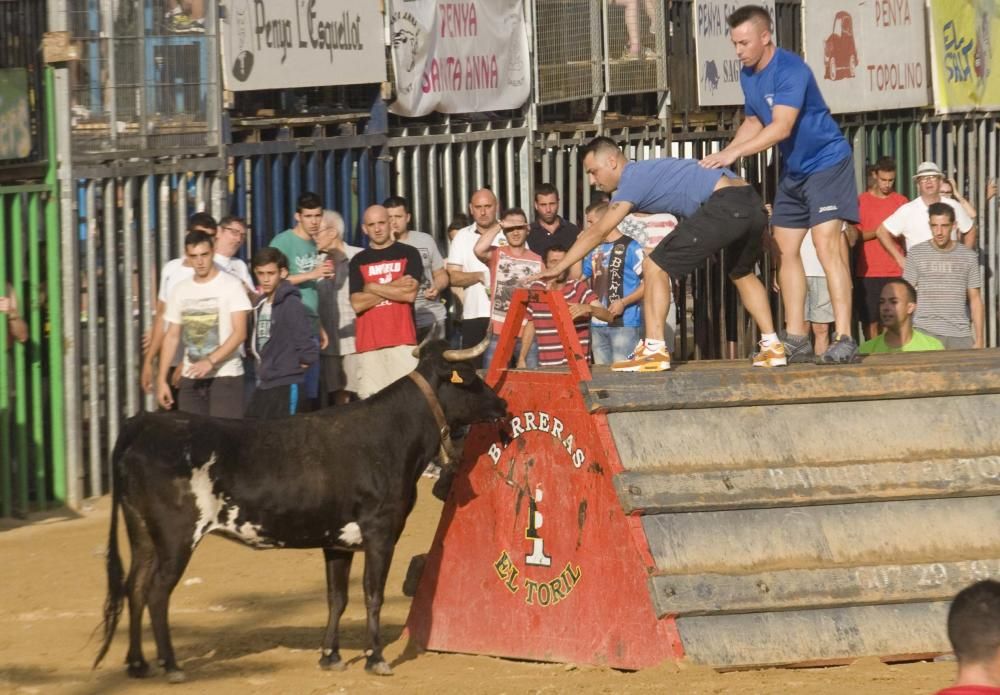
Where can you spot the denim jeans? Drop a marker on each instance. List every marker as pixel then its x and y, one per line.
pixel 531 358
pixel 613 343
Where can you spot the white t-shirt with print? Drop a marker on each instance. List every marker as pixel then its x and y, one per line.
pixel 203 309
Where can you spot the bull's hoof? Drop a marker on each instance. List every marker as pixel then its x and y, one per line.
pixel 138 669
pixel 176 676
pixel 378 668
pixel 332 663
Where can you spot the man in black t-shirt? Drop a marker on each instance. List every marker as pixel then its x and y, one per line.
pixel 549 229
pixel 384 281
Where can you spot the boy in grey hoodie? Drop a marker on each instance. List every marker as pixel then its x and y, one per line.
pixel 282 340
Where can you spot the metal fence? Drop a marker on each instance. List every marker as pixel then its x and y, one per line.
pixel 129 214
pixel 438 168
pixel 32 450
pixel 573 61
pixel 142 81
pixel 568 52
pixel 130 224
pixel 634 46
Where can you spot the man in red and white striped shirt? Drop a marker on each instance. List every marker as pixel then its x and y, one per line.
pixel 583 304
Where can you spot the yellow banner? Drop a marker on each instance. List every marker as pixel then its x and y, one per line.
pixel 965 54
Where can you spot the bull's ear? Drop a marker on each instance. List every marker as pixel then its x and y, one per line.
pixel 456 378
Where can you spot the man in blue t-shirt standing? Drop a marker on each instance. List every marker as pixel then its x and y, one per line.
pixel 720 210
pixel 817 190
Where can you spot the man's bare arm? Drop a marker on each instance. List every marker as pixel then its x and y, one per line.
pixel 484 244
pixel 591 237
pixel 885 237
pixel 155 343
pixel 970 237
pixel 171 339
pixel 747 131
pixel 780 128
pixel 461 278
pixel 977 311
pixel 314 274
pixel 595 310
pixel 402 289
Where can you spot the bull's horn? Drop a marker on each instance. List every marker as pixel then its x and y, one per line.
pixel 467 353
pixel 423 343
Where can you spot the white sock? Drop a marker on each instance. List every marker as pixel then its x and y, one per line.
pixel 654 345
pixel 768 339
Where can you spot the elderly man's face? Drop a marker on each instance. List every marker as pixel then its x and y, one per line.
pixel 929 185
pixel 326 238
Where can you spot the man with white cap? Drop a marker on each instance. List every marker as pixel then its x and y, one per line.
pixel 910 221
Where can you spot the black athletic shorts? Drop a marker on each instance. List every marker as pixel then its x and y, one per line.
pixel 733 218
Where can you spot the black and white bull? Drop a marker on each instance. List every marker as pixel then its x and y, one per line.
pixel 342 479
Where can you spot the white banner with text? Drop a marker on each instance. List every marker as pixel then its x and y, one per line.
pixel 278 44
pixel 868 56
pixel 718 67
pixel 458 57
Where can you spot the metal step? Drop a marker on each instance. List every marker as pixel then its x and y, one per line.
pixel 663 491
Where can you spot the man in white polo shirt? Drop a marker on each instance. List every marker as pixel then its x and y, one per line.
pixel 465 269
pixel 910 221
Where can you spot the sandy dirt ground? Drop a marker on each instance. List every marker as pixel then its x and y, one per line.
pixel 249 621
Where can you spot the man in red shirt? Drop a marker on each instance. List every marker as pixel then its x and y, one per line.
pixel 875 267
pixel 974 632
pixel 582 302
pixel 384 279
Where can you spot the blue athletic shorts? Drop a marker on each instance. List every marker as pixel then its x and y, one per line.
pixel 830 194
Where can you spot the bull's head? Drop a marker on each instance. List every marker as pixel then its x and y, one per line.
pixel 464 396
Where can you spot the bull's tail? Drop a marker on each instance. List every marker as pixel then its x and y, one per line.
pixel 116 574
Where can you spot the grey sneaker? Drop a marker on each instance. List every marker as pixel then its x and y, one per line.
pixel 798 349
pixel 843 350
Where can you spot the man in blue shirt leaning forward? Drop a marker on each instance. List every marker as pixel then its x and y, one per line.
pixel 720 210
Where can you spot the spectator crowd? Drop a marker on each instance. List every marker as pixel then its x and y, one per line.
pixel 315 320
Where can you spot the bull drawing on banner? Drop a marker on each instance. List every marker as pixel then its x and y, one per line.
pixel 711 77
pixel 342 479
pixel 409 46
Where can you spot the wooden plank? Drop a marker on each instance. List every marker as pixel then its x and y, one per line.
pixel 824 635
pixel 808 434
pixel 702 594
pixel 720 384
pixel 659 491
pixel 836 535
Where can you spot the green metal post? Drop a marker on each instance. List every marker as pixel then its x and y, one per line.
pixel 871 143
pixel 20 383
pixel 5 460
pixel 53 291
pixel 33 315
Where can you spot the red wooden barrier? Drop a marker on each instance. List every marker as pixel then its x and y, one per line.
pixel 534 557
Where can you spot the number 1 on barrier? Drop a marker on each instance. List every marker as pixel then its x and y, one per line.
pixel 535 520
